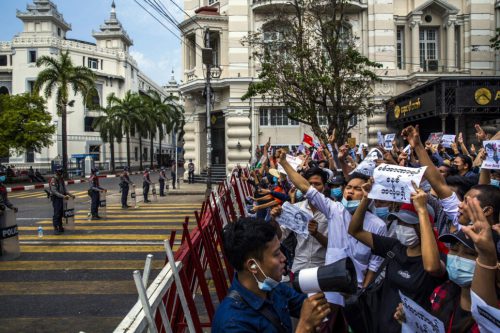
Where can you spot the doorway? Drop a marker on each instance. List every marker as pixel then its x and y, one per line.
pixel 218 138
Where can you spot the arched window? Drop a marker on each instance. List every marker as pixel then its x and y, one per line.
pixel 275 34
pixel 4 90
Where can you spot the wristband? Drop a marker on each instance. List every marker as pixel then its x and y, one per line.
pixel 486 266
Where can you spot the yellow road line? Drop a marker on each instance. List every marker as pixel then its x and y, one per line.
pixel 80 216
pixel 90 248
pixel 98 237
pixel 68 288
pixel 30 195
pixel 145 220
pixel 115 227
pixel 76 264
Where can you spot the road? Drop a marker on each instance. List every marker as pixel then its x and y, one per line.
pixel 82 280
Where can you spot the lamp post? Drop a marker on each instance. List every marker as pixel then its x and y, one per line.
pixel 207 60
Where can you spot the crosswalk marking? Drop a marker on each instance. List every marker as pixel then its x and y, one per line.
pixel 66 236
pixel 90 248
pixel 173 226
pixel 68 288
pixel 29 265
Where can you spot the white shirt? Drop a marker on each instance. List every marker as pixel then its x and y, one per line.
pixel 309 252
pixel 341 244
pixel 450 207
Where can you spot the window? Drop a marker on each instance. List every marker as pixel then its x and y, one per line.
pixel 145 155
pixel 457 48
pixel 31 56
pixel 30 156
pixel 276 117
pixel 92 63
pixel 191 51
pixel 274 41
pixel 132 131
pixel 30 86
pixel 215 45
pixel 428 47
pixel 95 150
pixel 400 47
pixel 264 117
pixel 353 121
pixel 136 154
pixel 211 2
pixel 132 72
pixel 89 124
pixel 3 60
pixel 59 32
pixel 322 119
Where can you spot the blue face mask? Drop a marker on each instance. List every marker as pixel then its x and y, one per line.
pixel 97 173
pixel 460 270
pixel 382 212
pixel 268 284
pixel 350 205
pixel 495 182
pixel 275 180
pixel 336 193
pixel 2 179
pixel 299 195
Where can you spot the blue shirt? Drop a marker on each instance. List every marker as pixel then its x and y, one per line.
pixel 244 316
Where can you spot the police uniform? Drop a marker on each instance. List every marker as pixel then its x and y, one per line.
pixel 146 181
pixel 173 175
pixel 125 183
pixel 94 192
pixel 161 180
pixel 58 191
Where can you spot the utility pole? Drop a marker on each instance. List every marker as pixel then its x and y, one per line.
pixel 207 60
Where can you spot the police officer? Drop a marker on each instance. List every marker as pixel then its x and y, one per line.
pixel 161 180
pixel 146 182
pixel 173 174
pixel 58 193
pixel 94 192
pixel 4 200
pixel 125 183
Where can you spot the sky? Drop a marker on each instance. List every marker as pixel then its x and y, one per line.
pixel 156 50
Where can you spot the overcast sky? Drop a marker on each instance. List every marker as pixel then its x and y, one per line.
pixel 156 50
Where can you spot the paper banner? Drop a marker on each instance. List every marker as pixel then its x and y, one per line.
pixel 388 138
pixel 393 182
pixel 447 140
pixel 295 219
pixel 435 138
pixel 367 166
pixel 492 149
pixel 417 319
pixel 295 162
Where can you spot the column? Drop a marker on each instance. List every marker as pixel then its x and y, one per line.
pixel 457 122
pixel 190 144
pixel 237 131
pixel 443 123
pixel 415 43
pixel 450 45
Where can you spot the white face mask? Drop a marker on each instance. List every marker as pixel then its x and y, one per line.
pixel 406 235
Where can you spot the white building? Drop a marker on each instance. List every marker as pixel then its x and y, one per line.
pixel 45 33
pixel 415 41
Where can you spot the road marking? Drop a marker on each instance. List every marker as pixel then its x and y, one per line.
pixel 123 237
pixel 177 226
pixel 20 265
pixel 90 248
pixel 94 242
pixel 31 218
pixel 81 222
pixel 68 288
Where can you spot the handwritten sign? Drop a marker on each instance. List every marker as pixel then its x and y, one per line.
pixel 393 182
pixel 492 149
pixel 367 166
pixel 388 138
pixel 435 138
pixel 417 319
pixel 295 219
pixel 487 317
pixel 295 162
pixel 447 140
pixel 380 138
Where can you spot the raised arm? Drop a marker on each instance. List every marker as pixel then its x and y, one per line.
pixel 356 226
pixel 412 135
pixel 300 182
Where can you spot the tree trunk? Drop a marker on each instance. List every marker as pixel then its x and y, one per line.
pixel 112 152
pixel 151 153
pixel 160 158
pixel 140 152
pixel 128 147
pixel 64 140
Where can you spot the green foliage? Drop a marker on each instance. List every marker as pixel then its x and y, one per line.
pixel 25 123
pixel 312 65
pixel 495 41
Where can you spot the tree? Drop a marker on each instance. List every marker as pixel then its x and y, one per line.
pixel 310 63
pixel 61 76
pixel 495 41
pixel 26 125
pixel 109 127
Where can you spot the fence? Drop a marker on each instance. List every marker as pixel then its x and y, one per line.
pixel 168 304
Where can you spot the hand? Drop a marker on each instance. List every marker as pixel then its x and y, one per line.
pixel 292 192
pixel 312 227
pixel 331 138
pixel 419 198
pixel 343 152
pixel 481 155
pixel 281 156
pixel 472 149
pixel 412 135
pixel 454 147
pixel 276 212
pixel 314 310
pixel 367 187
pixel 399 315
pixel 66 197
pixel 480 232
pixel 480 133
pixel 460 138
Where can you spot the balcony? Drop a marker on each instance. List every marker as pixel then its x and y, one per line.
pixel 270 6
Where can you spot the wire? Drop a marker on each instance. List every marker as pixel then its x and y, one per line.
pixel 190 17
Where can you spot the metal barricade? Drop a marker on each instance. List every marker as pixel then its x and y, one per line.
pixel 9 236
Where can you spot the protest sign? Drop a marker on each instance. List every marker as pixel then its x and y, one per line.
pixel 492 149
pixel 417 319
pixel 388 138
pixel 360 149
pixel 447 140
pixel 295 219
pixel 295 162
pixel 487 317
pixel 351 142
pixel 393 182
pixel 367 165
pixel 435 138
pixel 380 138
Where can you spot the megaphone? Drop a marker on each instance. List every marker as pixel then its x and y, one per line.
pixel 339 276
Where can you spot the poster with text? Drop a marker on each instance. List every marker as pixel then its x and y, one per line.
pixel 295 219
pixel 447 140
pixel 367 165
pixel 393 182
pixel 294 161
pixel 492 150
pixel 417 319
pixel 435 138
pixel 388 138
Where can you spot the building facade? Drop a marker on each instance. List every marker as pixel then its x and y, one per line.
pixel 45 34
pixel 415 41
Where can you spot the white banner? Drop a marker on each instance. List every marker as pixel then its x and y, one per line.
pixel 295 162
pixel 388 138
pixel 393 182
pixel 417 319
pixel 492 149
pixel 295 219
pixel 447 140
pixel 487 317
pixel 380 138
pixel 367 166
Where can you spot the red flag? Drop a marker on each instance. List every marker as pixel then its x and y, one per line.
pixel 308 140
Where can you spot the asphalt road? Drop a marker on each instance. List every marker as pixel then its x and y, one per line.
pixel 82 280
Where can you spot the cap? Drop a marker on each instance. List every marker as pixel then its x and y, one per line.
pixel 408 214
pixel 59 168
pixel 459 236
pixel 125 168
pixel 329 172
pixel 337 180
pixel 94 170
pixel 274 172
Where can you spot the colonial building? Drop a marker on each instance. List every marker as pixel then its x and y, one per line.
pixel 416 41
pixel 45 33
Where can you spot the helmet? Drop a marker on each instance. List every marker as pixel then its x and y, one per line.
pixel 59 169
pixel 93 170
pixel 125 168
pixel 163 168
pixel 147 170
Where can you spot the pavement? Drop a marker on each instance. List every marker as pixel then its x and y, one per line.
pixel 82 280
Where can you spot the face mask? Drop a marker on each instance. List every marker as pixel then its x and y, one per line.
pixel 460 270
pixel 406 235
pixel 268 284
pixel 336 193
pixel 2 179
pixel 382 212
pixel 350 205
pixel 495 182
pixel 97 173
pixel 299 195
pixel 275 180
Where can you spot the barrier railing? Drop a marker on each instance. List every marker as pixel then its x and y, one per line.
pixel 168 304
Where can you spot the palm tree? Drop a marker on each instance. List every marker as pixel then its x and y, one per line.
pixel 109 128
pixel 60 77
pixel 126 109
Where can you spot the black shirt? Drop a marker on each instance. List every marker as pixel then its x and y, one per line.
pixel 403 273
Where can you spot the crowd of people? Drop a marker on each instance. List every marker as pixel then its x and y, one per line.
pixel 439 249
